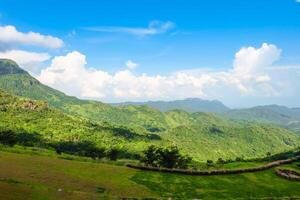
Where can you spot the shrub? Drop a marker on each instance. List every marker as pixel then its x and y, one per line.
pixel 84 148
pixel 221 161
pixel 239 159
pixel 29 139
pixel 7 137
pixel 151 156
pixel 112 153
pixel 209 163
pixel 167 158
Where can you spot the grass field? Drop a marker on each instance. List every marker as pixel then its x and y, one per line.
pixel 24 176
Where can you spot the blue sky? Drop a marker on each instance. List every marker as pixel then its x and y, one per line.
pixel 161 37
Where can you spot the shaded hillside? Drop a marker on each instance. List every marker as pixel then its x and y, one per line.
pixel 201 135
pixel 36 117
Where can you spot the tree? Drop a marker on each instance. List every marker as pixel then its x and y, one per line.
pixel 84 148
pixel 209 162
pixel 221 161
pixel 168 158
pixel 112 154
pixel 151 156
pixel 239 159
pixel 95 152
pixel 7 137
pixel 29 139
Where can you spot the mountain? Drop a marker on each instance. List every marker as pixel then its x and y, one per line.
pixel 58 117
pixel 201 135
pixel 18 82
pixel 10 67
pixel 280 115
pixel 189 105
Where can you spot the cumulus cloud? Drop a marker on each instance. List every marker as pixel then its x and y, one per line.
pixel 154 28
pixel 10 36
pixel 253 75
pixel 70 74
pixel 131 65
pixel 25 57
pixel 250 60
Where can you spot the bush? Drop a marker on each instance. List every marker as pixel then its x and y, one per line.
pixel 221 161
pixel 112 153
pixel 239 159
pixel 7 137
pixel 167 158
pixel 29 139
pixel 84 148
pixel 151 156
pixel 209 163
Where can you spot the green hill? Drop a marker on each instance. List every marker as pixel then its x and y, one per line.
pixel 203 136
pixel 274 114
pixel 189 105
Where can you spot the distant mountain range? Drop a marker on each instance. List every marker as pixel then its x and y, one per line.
pixel 132 128
pixel 280 115
pixel 274 114
pixel 188 105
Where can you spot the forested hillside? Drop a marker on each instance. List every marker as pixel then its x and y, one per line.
pixel 130 129
pixel 189 105
pixel 274 114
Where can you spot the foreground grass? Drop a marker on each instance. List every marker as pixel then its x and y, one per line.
pixel 24 176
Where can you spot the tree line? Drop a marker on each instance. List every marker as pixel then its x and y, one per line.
pixel 80 148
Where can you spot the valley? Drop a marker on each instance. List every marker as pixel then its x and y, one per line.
pixel 83 146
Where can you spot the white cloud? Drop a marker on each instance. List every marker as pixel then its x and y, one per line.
pixel 154 28
pixel 131 65
pixel 29 61
pixel 10 36
pixel 25 57
pixel 252 75
pixel 69 74
pixel 250 60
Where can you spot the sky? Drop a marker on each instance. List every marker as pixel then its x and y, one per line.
pixel 243 53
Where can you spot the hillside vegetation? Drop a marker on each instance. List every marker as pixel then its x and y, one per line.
pixel 58 117
pixel 273 114
pixel 189 105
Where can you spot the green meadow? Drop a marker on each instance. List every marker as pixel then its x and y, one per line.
pixel 29 176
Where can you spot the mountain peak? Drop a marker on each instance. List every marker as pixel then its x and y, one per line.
pixel 8 66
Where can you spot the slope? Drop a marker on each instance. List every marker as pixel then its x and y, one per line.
pixel 189 105
pixel 280 115
pixel 132 128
